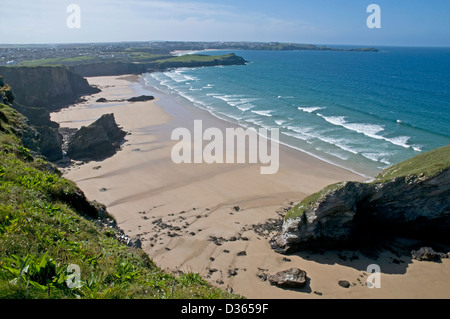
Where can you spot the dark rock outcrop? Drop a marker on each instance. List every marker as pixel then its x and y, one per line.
pixel 428 254
pixel 413 206
pixel 292 278
pixel 50 142
pixel 141 98
pixel 97 141
pixel 344 283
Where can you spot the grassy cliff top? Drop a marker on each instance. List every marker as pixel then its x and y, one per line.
pixel 126 56
pixel 425 165
pixel 44 229
pixel 310 201
pixel 428 164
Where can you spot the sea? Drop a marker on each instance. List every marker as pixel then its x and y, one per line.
pixel 363 111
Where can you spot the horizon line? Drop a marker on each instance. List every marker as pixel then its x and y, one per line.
pixel 219 41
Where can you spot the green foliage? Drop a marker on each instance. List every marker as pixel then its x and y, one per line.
pixel 9 116
pixel 428 164
pixel 311 201
pixel 41 273
pixel 41 234
pixel 191 279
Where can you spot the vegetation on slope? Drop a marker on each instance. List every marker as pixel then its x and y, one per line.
pixel 195 58
pixel 46 224
pixel 428 164
pixel 311 201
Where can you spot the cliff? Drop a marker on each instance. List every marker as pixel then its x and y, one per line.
pixel 50 87
pixel 410 199
pixel 39 91
pixel 43 137
pixel 108 68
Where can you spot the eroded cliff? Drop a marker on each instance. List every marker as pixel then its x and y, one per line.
pixel 39 91
pixel 49 87
pixel 410 199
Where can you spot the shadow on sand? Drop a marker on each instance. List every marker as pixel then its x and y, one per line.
pixel 392 255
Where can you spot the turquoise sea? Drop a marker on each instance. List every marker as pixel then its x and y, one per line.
pixel 360 110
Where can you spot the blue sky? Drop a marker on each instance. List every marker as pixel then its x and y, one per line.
pixel 403 22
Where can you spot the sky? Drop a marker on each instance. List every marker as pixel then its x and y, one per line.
pixel 341 22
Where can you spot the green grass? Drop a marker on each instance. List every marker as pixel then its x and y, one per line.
pixel 195 58
pixel 428 164
pixel 145 57
pixel 11 122
pixel 311 201
pixel 57 61
pixel 40 62
pixel 42 232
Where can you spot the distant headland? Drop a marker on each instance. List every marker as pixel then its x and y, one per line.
pixel 134 52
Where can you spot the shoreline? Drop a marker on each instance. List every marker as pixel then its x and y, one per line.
pixel 205 113
pixel 185 214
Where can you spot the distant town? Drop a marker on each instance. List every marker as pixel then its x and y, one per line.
pixel 69 54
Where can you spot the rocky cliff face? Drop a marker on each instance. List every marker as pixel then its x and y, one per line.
pixel 46 87
pixel 37 92
pixel 107 69
pixel 6 94
pixel 122 68
pixel 97 141
pixel 49 139
pixel 29 136
pixel 415 205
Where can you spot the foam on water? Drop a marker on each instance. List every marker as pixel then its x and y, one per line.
pixel 370 130
pixel 263 113
pixel 310 109
pixel 280 122
pixel 285 97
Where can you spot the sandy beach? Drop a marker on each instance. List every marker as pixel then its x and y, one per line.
pixel 217 219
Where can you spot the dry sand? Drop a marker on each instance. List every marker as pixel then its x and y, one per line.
pixel 185 216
